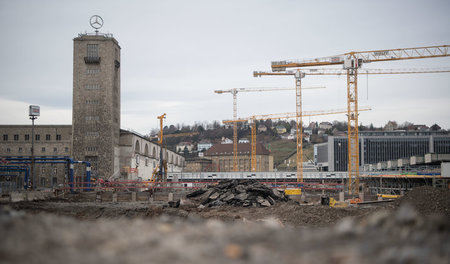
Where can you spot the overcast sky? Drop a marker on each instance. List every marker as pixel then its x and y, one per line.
pixel 176 53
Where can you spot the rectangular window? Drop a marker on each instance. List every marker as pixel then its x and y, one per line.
pixel 92 86
pixel 66 149
pixel 5 137
pixel 58 137
pixel 55 149
pixel 92 102
pixel 8 150
pixel 92 50
pixel 93 70
pixel 43 149
pixel 16 137
pixel 20 149
pixel 27 137
pixel 47 137
pixel 37 137
pixel 92 134
pixel 91 118
pixel 91 149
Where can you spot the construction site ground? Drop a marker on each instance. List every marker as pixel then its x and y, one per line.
pixel 412 229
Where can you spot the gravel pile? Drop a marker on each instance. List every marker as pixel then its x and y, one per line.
pixel 427 200
pixel 243 193
pixel 403 237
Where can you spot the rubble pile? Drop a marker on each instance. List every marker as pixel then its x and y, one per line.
pixel 427 200
pixel 243 193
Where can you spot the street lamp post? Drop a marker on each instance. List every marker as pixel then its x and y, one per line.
pixel 34 112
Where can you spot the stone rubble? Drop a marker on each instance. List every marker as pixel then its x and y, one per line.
pixel 244 193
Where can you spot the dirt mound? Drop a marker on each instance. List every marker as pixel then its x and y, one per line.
pixel 243 193
pixel 427 200
pixel 400 237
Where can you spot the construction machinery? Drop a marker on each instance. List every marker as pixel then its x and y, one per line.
pixel 352 62
pixel 254 118
pixel 160 171
pixel 234 92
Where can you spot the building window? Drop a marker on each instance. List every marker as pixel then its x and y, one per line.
pixel 66 149
pixel 55 149
pixel 92 50
pixel 91 118
pixel 37 137
pixel 16 137
pixel 91 149
pixel 58 137
pixel 92 102
pixel 92 86
pixel 93 70
pixel 20 149
pixel 43 150
pixel 47 137
pixel 27 137
pixel 8 150
pixel 5 137
pixel 92 134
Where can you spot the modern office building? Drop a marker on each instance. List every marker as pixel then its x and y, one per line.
pixel 380 146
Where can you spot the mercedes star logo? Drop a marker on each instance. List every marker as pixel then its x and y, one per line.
pixel 96 21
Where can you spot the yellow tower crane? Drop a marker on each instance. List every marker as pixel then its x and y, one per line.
pixel 352 61
pixel 333 72
pixel 161 169
pixel 254 118
pixel 234 92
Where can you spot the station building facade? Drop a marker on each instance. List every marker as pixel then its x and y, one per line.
pixel 94 135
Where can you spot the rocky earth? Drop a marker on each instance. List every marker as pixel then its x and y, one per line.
pixel 427 200
pixel 412 229
pixel 243 193
pixel 403 236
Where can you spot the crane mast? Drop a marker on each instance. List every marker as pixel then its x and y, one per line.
pixel 234 92
pixel 352 61
pixel 254 118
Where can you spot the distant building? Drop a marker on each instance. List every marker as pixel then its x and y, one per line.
pixel 138 157
pixel 308 131
pixel 204 145
pixel 380 146
pixel 199 165
pixel 391 126
pixel 262 128
pixel 50 141
pixel 325 125
pixel 312 125
pixel 243 140
pixel 226 141
pixel 184 145
pixel 222 157
pixel 281 129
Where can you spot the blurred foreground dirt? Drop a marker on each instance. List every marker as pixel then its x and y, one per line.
pixel 413 229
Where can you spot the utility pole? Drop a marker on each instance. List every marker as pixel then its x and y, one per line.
pixel 33 113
